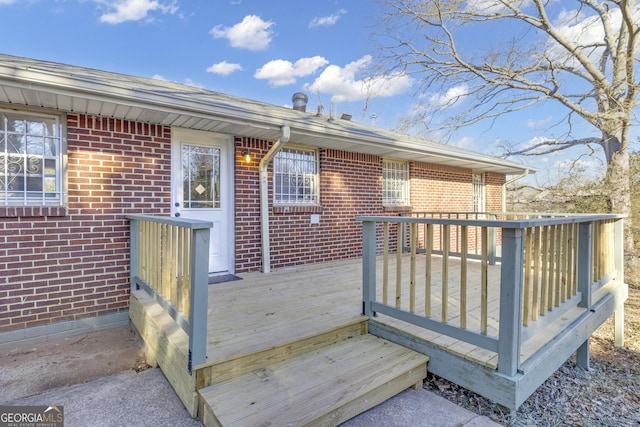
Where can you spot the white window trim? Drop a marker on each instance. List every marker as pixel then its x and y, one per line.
pixel 60 160
pixel 404 199
pixel 478 181
pixel 315 197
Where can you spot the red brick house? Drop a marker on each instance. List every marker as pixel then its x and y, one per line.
pixel 82 148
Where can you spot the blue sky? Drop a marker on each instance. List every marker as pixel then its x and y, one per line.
pixel 258 49
pixel 263 50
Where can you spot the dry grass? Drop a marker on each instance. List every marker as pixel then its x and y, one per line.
pixel 606 395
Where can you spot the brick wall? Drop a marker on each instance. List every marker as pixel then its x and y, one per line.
pixel 247 204
pixel 449 189
pixel 494 183
pixel 68 263
pixel 350 185
pixel 64 264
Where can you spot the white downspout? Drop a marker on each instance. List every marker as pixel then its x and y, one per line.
pixel 504 188
pixel 264 196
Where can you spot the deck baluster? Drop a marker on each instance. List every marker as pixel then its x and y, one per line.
pixel 545 261
pixel 484 280
pixel 463 275
pixel 428 231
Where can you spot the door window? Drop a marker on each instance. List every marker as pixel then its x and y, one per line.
pixel 201 177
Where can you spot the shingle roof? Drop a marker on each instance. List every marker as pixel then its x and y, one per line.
pixel 70 88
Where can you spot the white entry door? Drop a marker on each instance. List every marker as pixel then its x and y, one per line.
pixel 201 183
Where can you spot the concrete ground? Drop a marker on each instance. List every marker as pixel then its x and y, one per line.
pixel 101 379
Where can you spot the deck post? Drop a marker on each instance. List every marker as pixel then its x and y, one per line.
pixel 511 278
pixel 134 252
pixel 369 266
pixel 618 314
pixel 199 297
pixel 585 280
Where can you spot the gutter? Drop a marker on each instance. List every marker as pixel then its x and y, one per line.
pixel 264 196
pixel 504 187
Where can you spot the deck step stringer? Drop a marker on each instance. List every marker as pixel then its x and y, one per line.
pixel 323 387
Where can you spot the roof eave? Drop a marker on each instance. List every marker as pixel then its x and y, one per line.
pixel 191 112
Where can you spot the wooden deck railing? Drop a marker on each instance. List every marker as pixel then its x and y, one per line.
pixel 472 240
pixel 549 264
pixel 169 260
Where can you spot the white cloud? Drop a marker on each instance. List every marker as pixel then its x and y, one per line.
pixel 535 141
pixel 252 33
pixel 224 68
pixel 132 10
pixel 584 30
pixel 450 98
pixel 7 1
pixel 326 21
pixel 344 84
pixel 580 30
pixel 280 72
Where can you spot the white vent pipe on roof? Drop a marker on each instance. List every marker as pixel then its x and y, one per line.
pixel 264 195
pixel 300 100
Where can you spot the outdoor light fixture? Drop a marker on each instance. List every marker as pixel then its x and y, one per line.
pixel 246 155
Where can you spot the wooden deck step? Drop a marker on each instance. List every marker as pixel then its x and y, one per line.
pixel 276 350
pixel 323 387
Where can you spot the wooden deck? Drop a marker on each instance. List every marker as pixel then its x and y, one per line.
pixel 498 325
pixel 263 310
pixel 266 319
pixel 287 305
pixel 293 340
pixel 251 314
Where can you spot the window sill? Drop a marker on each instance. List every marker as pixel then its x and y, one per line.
pixel 32 211
pixel 282 209
pixel 397 208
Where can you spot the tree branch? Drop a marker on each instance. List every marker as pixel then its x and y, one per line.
pixel 552 146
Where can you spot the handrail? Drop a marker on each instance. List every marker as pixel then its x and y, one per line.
pixel 473 234
pixel 548 265
pixel 170 260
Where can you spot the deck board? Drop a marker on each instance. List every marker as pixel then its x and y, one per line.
pixel 358 370
pixel 262 310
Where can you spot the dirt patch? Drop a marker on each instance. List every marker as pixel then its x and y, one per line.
pixel 52 363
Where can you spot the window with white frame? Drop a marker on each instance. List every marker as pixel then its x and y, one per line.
pixel 295 174
pixel 31 154
pixel 478 192
pixel 395 183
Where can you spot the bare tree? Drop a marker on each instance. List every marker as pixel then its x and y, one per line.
pixel 582 55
